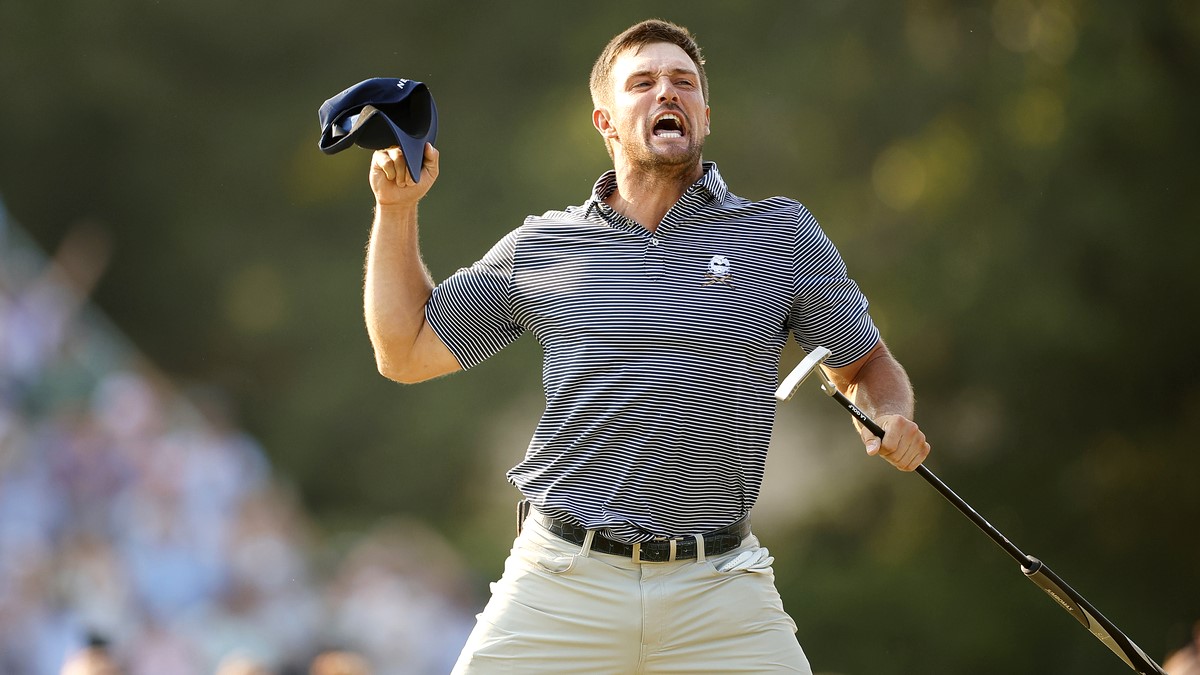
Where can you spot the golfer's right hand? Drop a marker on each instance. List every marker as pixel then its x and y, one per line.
pixel 390 180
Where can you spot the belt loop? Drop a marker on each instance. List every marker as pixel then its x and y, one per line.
pixel 587 543
pixel 523 508
pixel 699 547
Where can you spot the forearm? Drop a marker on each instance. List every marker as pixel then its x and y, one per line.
pixel 396 287
pixel 881 386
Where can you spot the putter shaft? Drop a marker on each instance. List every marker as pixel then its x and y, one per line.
pixel 1035 570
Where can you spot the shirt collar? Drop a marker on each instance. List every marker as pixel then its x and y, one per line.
pixel 710 182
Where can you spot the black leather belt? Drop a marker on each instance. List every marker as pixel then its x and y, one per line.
pixel 658 550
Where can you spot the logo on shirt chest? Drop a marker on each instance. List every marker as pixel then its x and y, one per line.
pixel 719 272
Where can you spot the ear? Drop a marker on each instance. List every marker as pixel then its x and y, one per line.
pixel 603 124
pixel 707 121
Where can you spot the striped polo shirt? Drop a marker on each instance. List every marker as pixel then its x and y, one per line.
pixel 661 349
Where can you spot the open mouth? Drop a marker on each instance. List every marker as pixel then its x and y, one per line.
pixel 669 125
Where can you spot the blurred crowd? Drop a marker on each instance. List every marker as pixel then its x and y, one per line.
pixel 143 532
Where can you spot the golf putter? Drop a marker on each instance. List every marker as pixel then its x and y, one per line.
pixel 1037 571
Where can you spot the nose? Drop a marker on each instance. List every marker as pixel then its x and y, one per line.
pixel 667 91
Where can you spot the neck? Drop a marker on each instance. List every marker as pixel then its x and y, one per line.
pixel 644 196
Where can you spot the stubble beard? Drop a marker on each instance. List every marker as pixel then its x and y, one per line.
pixel 643 158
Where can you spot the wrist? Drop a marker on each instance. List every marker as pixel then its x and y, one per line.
pixel 395 207
pixel 396 216
pixel 393 212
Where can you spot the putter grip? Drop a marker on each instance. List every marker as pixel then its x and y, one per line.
pixel 858 414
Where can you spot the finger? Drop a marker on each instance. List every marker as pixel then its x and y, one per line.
pixel 870 441
pixel 404 177
pixel 897 444
pixel 922 452
pixel 901 446
pixel 903 457
pixel 384 161
pixel 429 164
pixel 913 451
pixel 399 166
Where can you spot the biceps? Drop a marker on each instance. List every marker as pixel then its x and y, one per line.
pixel 429 358
pixel 426 358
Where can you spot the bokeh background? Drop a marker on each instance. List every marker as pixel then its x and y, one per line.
pixel 200 466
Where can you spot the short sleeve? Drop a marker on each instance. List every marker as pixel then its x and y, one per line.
pixel 472 310
pixel 828 308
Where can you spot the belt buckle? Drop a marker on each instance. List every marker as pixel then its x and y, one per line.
pixel 637 552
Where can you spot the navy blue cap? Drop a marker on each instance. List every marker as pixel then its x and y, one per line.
pixel 379 113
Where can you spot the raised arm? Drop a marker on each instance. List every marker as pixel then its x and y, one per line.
pixel 397 284
pixel 879 386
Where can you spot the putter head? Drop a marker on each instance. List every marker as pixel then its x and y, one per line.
pixel 811 362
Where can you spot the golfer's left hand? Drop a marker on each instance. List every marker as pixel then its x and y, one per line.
pixel 903 442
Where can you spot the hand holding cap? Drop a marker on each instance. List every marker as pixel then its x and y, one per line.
pixel 380 113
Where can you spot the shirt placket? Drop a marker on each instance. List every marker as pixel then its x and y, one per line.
pixel 654 256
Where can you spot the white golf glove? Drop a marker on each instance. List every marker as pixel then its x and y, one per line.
pixel 755 560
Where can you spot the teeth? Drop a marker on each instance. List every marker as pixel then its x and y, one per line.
pixel 669 133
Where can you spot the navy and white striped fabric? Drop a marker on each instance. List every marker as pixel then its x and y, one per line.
pixel 661 348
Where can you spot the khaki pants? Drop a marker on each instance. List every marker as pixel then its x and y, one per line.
pixel 560 608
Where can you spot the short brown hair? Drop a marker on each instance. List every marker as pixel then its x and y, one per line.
pixel 635 37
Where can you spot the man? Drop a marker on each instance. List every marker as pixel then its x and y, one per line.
pixel 661 304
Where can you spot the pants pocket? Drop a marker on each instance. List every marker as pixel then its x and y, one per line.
pixel 545 559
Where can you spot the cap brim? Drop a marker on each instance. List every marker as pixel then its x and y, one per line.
pixel 330 144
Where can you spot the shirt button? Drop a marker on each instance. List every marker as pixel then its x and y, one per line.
pixel 654 241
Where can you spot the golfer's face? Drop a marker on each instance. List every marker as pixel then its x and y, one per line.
pixel 658 109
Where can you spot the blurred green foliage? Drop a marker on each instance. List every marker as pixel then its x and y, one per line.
pixel 1012 182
